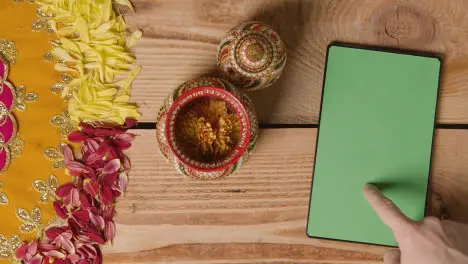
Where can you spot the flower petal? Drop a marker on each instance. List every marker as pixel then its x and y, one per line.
pixel 94 237
pixel 110 178
pixel 67 154
pixel 74 258
pixel 98 258
pixel 112 167
pixel 75 198
pixel 108 212
pixel 107 197
pixel 35 260
pixel 65 243
pixel 77 136
pixel 64 190
pixel 123 182
pixel 76 168
pixel 87 129
pixel 60 210
pixel 109 231
pixel 53 232
pixel 21 251
pixel 81 216
pixel 126 163
pixel 54 254
pixel 97 221
pixel 91 187
pixel 130 122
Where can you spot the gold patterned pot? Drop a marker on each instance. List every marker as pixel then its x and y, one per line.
pixel 207 128
pixel 252 56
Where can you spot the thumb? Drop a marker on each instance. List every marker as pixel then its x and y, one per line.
pixel 386 209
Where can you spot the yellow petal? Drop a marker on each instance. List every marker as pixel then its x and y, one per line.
pixel 136 35
pixel 82 27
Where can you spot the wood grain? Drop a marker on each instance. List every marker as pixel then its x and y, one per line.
pixel 181 38
pixel 257 215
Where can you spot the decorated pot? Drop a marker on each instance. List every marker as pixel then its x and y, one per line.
pixel 252 56
pixel 207 128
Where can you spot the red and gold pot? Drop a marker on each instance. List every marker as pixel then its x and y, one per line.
pixel 207 128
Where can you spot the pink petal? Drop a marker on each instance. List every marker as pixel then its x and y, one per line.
pixel 54 254
pixel 110 179
pixel 75 198
pixel 58 261
pixel 32 249
pixel 89 251
pixel 124 141
pixel 84 201
pixel 46 247
pixel 64 241
pixel 109 231
pixel 126 163
pixel 36 260
pixel 81 215
pixel 91 187
pixel 131 122
pixel 21 251
pixel 112 167
pixel 94 237
pixel 87 129
pixel 76 168
pixel 68 154
pixel 92 144
pixel 123 181
pixel 122 145
pixel 74 227
pixel 104 147
pixel 98 259
pixel 108 212
pixel 102 132
pixel 53 232
pixel 118 130
pixel 107 197
pixel 97 221
pixel 60 210
pixel 74 258
pixel 77 137
pixel 92 158
pixel 64 190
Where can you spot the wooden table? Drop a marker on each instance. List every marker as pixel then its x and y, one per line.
pixel 259 214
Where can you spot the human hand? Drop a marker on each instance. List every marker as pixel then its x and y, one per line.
pixel 429 241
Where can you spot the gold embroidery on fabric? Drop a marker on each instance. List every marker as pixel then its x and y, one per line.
pixel 49 57
pixel 3 197
pixel 60 87
pixel 30 221
pixel 46 189
pixel 8 248
pixel 63 122
pixel 16 147
pixel 41 22
pixel 22 98
pixel 56 156
pixel 8 50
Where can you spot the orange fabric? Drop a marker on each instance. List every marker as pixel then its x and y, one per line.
pixel 38 76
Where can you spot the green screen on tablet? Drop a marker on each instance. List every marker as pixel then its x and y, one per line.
pixel 376 126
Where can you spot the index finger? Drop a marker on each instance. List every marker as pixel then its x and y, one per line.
pixel 388 212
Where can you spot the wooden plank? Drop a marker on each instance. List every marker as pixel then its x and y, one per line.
pixel 181 38
pixel 255 216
